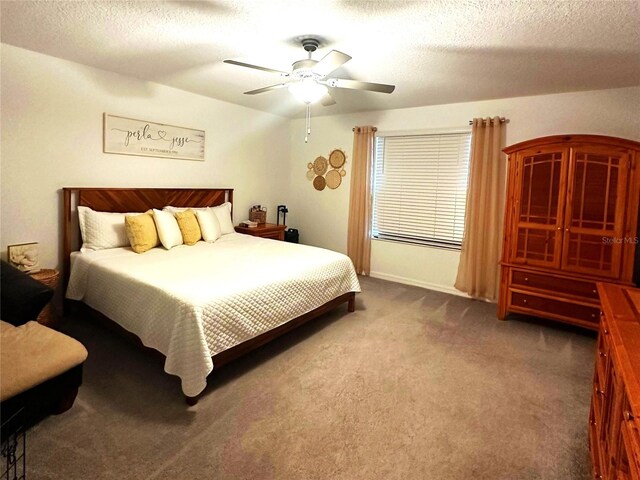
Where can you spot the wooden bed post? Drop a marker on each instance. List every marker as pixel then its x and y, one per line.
pixel 351 305
pixel 66 247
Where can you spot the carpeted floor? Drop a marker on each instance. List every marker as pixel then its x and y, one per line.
pixel 414 385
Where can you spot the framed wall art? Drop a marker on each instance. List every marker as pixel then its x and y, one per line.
pixel 128 136
pixel 24 256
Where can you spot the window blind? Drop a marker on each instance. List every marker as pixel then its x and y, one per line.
pixel 420 188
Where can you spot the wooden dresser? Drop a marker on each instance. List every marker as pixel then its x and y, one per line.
pixel 571 220
pixel 614 419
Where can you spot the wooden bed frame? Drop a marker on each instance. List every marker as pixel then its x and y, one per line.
pixel 142 199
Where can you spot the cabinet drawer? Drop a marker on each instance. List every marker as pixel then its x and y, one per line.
pixel 594 449
pixel 273 235
pixel 602 358
pixel 567 286
pixel 597 395
pixel 631 449
pixel 534 304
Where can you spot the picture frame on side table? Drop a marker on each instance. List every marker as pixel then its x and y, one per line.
pixel 24 256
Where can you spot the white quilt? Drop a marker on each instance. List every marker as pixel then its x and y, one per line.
pixel 192 302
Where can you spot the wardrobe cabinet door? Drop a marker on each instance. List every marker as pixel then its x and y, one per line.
pixel 595 210
pixel 539 197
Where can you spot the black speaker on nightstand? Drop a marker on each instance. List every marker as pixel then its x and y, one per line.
pixel 291 235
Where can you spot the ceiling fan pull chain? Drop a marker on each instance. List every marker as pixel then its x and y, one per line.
pixel 307 124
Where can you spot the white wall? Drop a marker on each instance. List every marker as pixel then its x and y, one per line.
pixel 322 216
pixel 52 138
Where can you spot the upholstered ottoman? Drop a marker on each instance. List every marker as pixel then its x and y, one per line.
pixel 40 369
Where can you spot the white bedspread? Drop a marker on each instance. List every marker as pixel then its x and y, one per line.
pixel 192 302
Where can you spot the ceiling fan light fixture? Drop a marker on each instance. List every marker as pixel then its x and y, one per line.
pixel 308 90
pixel 309 79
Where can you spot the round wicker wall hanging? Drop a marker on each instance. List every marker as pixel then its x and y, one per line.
pixel 337 158
pixel 327 173
pixel 320 166
pixel 319 183
pixel 333 179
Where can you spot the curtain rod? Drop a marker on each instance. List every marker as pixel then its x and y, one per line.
pixel 502 120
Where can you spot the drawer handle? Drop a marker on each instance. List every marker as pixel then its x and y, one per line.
pixel 602 354
pixel 628 416
pixel 526 279
pixel 524 301
pixel 594 291
pixel 593 315
pixel 600 392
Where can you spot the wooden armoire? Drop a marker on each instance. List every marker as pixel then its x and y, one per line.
pixel 571 220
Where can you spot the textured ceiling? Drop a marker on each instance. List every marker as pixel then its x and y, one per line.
pixel 435 51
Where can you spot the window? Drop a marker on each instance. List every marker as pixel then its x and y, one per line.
pixel 420 188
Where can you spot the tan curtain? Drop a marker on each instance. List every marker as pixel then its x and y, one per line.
pixel 478 271
pixel 360 199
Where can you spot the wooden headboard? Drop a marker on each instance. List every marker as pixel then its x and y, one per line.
pixel 129 200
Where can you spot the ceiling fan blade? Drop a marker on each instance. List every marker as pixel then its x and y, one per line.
pixel 266 89
pixel 356 85
pixel 327 100
pixel 330 62
pixel 257 67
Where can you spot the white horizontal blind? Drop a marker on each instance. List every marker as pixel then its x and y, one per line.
pixel 420 188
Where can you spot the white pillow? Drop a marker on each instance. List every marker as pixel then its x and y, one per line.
pixel 209 225
pixel 168 229
pixel 101 230
pixel 223 212
pixel 171 209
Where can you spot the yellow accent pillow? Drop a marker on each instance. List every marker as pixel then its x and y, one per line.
pixel 189 227
pixel 141 232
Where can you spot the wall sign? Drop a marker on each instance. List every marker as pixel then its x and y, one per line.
pixel 128 136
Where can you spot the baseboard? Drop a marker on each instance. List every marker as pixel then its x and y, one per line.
pixel 418 283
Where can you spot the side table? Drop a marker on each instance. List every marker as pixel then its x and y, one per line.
pixel 50 277
pixel 264 230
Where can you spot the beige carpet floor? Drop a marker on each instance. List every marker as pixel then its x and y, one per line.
pixel 414 385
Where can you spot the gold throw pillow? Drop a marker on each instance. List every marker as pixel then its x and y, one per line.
pixel 189 227
pixel 141 232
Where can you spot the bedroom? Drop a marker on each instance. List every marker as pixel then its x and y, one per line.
pixel 343 413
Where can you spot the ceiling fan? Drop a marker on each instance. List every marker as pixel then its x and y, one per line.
pixel 309 79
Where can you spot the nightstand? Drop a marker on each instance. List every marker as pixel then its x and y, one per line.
pixel 50 278
pixel 264 230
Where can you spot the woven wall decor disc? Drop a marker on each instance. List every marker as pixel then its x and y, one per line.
pixel 320 165
pixel 343 172
pixel 333 179
pixel 310 174
pixel 319 183
pixel 337 158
